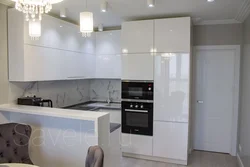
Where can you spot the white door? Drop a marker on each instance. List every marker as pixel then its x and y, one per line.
pixel 214 87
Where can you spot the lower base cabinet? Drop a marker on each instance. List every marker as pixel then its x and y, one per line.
pixel 170 140
pixel 137 144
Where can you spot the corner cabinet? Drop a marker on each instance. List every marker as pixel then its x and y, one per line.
pixel 172 35
pixel 60 54
pixel 108 57
pixel 137 36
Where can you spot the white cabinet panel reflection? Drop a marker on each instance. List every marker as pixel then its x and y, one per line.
pixel 171 80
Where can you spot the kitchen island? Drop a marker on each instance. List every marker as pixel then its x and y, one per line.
pixel 61 137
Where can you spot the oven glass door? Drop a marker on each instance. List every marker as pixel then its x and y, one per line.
pixel 137 121
pixel 137 90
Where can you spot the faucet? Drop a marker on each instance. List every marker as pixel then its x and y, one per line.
pixel 109 97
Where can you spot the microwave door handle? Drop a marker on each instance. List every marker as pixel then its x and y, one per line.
pixel 142 111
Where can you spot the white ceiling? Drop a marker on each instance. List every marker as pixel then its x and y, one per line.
pixel 126 10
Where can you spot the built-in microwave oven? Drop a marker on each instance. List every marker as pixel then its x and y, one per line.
pixel 138 90
pixel 137 118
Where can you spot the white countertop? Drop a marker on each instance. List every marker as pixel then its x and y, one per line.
pixel 52 112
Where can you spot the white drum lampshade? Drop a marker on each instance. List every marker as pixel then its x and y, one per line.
pixel 86 23
pixel 35 29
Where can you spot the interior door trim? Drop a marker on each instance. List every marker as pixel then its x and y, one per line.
pixel 237 50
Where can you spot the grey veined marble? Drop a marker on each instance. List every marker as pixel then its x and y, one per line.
pixel 68 92
pixel 62 93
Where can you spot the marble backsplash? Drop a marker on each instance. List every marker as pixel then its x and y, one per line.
pixel 66 93
pixel 102 90
pixel 62 93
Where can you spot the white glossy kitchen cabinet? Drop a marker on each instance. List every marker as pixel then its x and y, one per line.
pixel 170 140
pixel 61 35
pixel 108 42
pixel 60 54
pixel 108 66
pixel 172 35
pixel 108 57
pixel 137 144
pixel 137 36
pixel 115 115
pixel 138 67
pixel 172 87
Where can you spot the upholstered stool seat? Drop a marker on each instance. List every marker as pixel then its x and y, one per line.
pixel 95 157
pixel 14 143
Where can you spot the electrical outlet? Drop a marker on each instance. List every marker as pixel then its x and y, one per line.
pixel 240 148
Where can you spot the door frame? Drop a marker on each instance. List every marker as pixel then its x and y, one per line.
pixel 237 49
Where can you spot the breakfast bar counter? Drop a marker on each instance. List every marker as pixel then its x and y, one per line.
pixel 61 137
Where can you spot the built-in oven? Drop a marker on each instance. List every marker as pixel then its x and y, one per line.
pixel 139 90
pixel 137 118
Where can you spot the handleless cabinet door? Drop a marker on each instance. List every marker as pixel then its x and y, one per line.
pixel 170 140
pixel 171 87
pixel 137 36
pixel 137 144
pixel 137 67
pixel 173 35
pixel 108 42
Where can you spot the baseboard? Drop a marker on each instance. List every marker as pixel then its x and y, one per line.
pixel 158 159
pixel 239 161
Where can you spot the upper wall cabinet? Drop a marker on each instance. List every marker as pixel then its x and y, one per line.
pixel 61 53
pixel 61 35
pixel 108 57
pixel 108 42
pixel 137 36
pixel 173 35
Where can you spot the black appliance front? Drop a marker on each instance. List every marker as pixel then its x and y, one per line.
pixel 137 90
pixel 137 118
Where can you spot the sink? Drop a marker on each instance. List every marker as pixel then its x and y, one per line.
pixel 96 106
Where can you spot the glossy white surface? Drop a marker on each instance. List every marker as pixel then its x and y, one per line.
pixel 173 35
pixel 170 140
pixel 108 66
pixel 60 54
pixel 115 148
pixel 137 144
pixel 115 115
pixel 171 87
pixel 137 67
pixel 137 36
pixel 52 112
pixel 108 42
pixel 61 35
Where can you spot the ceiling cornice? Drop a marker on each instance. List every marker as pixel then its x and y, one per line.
pixel 244 11
pixel 7 2
pixel 215 22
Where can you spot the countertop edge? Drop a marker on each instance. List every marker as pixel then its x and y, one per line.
pixel 53 112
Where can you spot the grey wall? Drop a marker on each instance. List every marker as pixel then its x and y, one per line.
pixel 244 119
pixel 3 55
pixel 227 34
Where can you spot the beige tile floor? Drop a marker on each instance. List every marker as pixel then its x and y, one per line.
pixel 197 159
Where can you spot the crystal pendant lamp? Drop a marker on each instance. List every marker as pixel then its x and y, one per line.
pixel 33 9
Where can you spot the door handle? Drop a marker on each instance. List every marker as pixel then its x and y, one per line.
pixel 200 101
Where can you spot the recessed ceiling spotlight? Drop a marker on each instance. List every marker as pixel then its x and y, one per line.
pixel 210 0
pixel 151 3
pixel 63 12
pixel 104 6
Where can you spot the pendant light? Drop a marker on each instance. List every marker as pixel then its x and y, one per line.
pixel 86 23
pixel 35 29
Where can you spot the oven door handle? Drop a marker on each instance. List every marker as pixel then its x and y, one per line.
pixel 130 110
